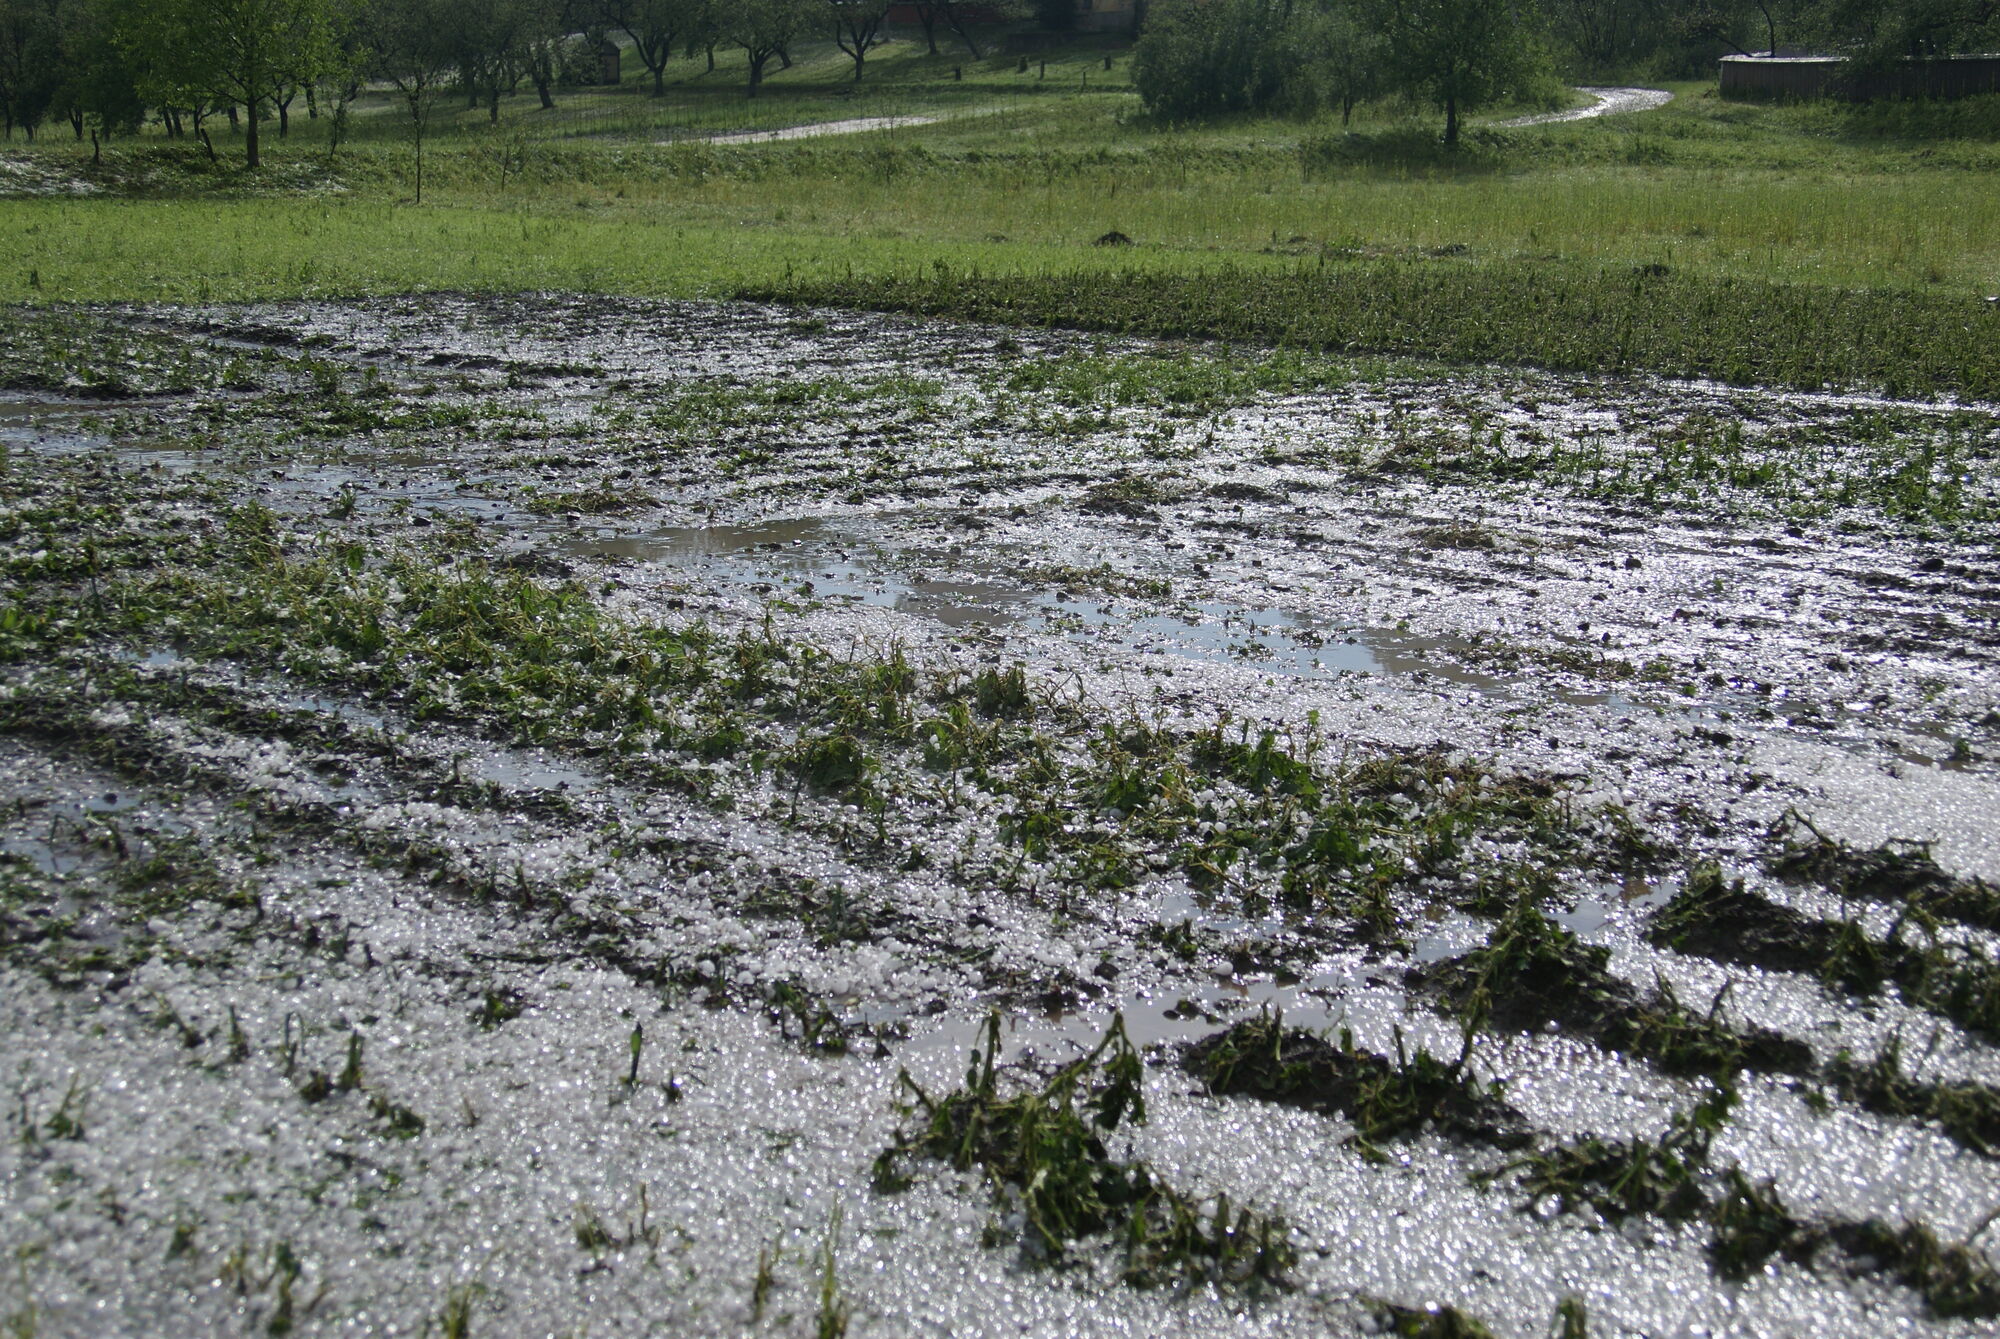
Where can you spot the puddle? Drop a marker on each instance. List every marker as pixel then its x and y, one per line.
pixel 531 771
pixel 330 706
pixel 849 561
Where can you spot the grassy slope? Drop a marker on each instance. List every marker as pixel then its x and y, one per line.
pixel 614 191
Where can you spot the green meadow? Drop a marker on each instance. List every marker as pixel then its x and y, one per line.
pixel 1793 244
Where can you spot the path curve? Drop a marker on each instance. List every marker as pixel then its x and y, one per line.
pixel 818 128
pixel 1609 102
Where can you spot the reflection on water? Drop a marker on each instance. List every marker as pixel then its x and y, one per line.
pixel 835 561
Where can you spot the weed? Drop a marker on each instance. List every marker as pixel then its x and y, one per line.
pixel 1531 972
pixel 1726 922
pixel 1444 1322
pixel 1969 1112
pixel 1750 1225
pixel 807 1020
pixel 830 1321
pixel 455 1320
pixel 498 1006
pixel 1620 1178
pixel 1954 1279
pixel 1043 1150
pixel 760 1287
pixel 1384 1098
pixel 1900 873
pixel 1586 318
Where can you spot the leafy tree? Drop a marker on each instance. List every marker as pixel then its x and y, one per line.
pixel 230 52
pixel 765 28
pixel 1336 57
pixel 30 64
pixel 657 28
pixel 1202 57
pixel 1460 55
pixel 1884 30
pixel 97 84
pixel 545 44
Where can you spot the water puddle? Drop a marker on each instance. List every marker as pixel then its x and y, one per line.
pixel 844 561
pixel 53 422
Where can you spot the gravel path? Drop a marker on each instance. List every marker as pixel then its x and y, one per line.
pixel 1609 102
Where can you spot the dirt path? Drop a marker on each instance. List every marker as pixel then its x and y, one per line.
pixel 853 126
pixel 1609 102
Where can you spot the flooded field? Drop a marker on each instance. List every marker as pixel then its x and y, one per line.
pixel 529 816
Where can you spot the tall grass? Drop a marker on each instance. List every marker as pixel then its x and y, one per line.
pixel 1569 317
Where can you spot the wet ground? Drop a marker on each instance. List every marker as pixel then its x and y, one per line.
pixel 498 789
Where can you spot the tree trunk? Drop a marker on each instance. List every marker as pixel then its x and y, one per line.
pixel 285 118
pixel 252 155
pixel 784 59
pixel 1451 120
pixel 493 100
pixel 542 82
pixel 660 80
pixel 959 26
pixel 757 69
pixel 928 17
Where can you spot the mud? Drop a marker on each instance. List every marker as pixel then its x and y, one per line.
pixel 593 746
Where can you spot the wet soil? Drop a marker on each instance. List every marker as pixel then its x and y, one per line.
pixel 497 789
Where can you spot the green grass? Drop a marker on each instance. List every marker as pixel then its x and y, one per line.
pixel 1798 245
pixel 1046 1154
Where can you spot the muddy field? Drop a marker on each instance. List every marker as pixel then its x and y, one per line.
pixel 519 816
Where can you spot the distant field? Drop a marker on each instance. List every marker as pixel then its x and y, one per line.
pixel 619 191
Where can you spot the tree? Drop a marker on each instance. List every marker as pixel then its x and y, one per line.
pixel 1335 55
pixel 546 43
pixel 30 64
pixel 415 50
pixel 957 19
pixel 1204 57
pixel 857 28
pixel 1878 31
pixel 231 52
pixel 764 28
pixel 657 28
pixel 1460 55
pixel 92 85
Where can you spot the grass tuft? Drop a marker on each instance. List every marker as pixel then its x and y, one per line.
pixel 1044 1152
